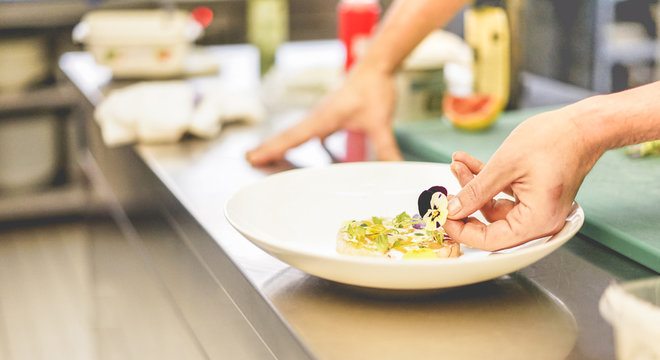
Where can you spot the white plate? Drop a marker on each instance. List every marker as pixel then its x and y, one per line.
pixel 295 216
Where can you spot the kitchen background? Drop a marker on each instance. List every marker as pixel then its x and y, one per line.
pixel 592 45
pixel 599 45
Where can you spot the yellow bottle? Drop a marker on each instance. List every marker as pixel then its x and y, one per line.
pixel 487 32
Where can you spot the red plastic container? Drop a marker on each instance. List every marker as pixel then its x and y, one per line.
pixel 357 22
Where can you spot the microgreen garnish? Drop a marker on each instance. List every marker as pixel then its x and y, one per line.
pixel 356 231
pixel 382 242
pixel 417 236
pixel 402 220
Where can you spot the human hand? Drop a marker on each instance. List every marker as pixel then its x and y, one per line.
pixel 364 103
pixel 542 164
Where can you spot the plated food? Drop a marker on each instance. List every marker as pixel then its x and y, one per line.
pixel 403 236
pixel 262 212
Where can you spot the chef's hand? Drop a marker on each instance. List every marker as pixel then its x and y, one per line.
pixel 364 103
pixel 541 164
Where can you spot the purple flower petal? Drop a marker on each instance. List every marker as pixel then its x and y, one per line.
pixel 424 199
pixel 419 224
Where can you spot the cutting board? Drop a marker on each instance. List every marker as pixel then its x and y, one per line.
pixel 620 196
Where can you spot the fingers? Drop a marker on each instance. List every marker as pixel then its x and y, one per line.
pixel 521 224
pixel 274 149
pixel 461 172
pixel 493 209
pixel 474 233
pixel 321 124
pixel 473 165
pixel 364 103
pixel 478 191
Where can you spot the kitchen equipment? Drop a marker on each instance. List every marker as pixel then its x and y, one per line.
pixel 633 309
pixel 23 62
pixel 620 195
pixel 442 61
pixel 139 43
pixel 28 151
pixel 296 215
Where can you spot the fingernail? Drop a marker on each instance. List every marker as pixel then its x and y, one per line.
pixel 453 206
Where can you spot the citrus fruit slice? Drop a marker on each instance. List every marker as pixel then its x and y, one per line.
pixel 474 112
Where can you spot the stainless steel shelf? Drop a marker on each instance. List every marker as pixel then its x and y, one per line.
pixel 47 98
pixel 57 200
pixel 607 52
pixel 633 52
pixel 56 13
pixel 40 14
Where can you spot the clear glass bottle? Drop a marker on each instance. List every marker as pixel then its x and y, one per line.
pixel 267 28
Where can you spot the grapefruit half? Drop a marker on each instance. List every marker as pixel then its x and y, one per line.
pixel 474 112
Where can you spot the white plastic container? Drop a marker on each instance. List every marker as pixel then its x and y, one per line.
pixel 633 309
pixel 139 43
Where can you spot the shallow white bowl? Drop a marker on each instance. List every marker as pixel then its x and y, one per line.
pixel 295 216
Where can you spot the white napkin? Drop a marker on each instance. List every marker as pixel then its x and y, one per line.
pixel 162 111
pixel 220 105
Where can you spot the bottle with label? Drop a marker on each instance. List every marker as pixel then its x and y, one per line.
pixel 357 20
pixel 267 28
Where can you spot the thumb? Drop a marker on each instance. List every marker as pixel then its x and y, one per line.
pixel 475 194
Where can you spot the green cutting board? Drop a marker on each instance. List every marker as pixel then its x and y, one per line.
pixel 620 196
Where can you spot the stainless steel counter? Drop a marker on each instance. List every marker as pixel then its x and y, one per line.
pixel 239 302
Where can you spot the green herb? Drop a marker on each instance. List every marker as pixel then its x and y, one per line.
pixel 377 220
pixel 350 229
pixel 356 231
pixel 360 233
pixel 382 242
pixel 439 236
pixel 402 220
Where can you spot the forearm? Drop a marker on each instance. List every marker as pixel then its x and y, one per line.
pixel 406 24
pixel 619 119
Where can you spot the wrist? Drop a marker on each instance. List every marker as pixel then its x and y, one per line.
pixel 377 61
pixel 589 119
